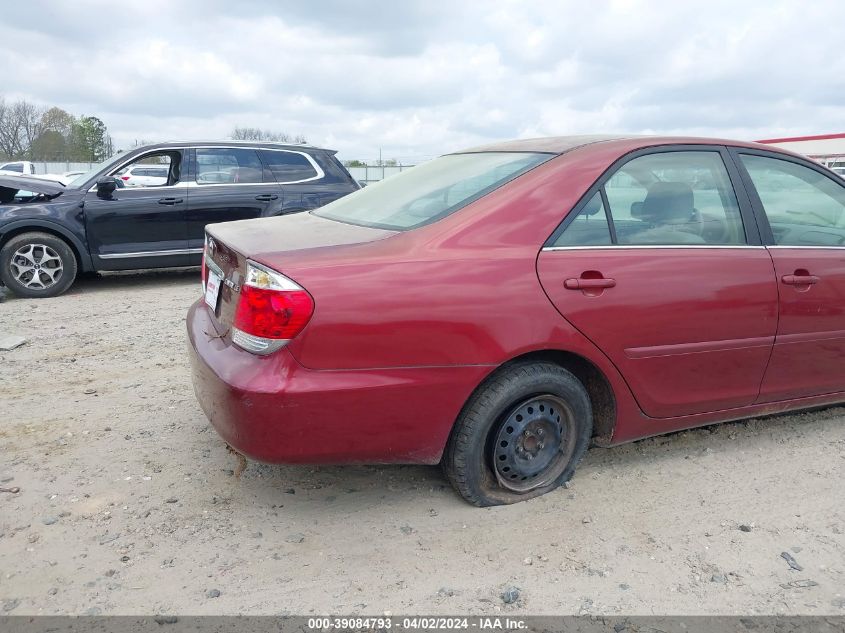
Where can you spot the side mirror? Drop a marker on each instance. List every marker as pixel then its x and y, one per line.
pixel 106 187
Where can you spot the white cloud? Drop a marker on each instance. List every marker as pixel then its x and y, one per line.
pixel 419 78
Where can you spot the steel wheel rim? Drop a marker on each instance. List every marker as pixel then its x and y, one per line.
pixel 36 266
pixel 534 443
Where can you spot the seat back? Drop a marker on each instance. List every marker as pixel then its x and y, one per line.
pixel 668 203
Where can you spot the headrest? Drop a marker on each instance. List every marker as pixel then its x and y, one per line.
pixel 668 201
pixel 593 206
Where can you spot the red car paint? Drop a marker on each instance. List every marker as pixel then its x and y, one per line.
pixel 407 324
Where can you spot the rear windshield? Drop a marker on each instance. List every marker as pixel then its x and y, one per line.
pixel 430 191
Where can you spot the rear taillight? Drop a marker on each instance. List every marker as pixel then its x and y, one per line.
pixel 272 310
pixel 125 177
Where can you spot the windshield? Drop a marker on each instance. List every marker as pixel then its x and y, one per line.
pixel 83 178
pixel 430 191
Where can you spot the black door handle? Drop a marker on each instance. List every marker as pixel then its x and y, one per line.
pixel 170 201
pixel 266 197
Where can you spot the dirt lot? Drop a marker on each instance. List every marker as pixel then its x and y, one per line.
pixel 129 504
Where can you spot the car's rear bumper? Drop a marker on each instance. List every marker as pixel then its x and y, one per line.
pixel 273 409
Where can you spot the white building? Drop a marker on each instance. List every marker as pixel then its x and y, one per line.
pixel 828 149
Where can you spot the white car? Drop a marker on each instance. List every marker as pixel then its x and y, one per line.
pixel 145 175
pixel 18 167
pixel 26 168
pixel 64 178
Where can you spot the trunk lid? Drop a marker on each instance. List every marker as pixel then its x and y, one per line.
pixel 300 238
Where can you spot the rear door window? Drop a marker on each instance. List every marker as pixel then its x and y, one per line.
pixel 289 167
pixel 675 198
pixel 589 228
pixel 228 165
pixel 666 198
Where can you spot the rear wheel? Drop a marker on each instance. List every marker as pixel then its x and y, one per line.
pixel 520 435
pixel 37 265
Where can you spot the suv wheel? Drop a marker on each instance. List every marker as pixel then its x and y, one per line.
pixel 37 265
pixel 520 435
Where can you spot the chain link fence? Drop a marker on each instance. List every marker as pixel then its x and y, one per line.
pixel 374 173
pixel 42 167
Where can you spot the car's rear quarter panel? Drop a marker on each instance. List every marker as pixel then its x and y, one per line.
pixel 462 291
pixel 273 409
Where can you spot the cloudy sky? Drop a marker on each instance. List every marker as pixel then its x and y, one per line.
pixel 419 78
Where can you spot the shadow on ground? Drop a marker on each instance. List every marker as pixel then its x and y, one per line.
pixel 92 283
pixel 408 485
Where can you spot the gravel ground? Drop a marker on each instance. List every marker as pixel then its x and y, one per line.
pixel 128 501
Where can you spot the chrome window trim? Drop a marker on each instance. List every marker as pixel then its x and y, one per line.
pixel 190 184
pixel 320 172
pixel 145 187
pixel 193 184
pixel 179 251
pixel 612 247
pixel 807 246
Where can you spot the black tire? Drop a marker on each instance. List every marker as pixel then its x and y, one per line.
pixel 481 429
pixel 46 249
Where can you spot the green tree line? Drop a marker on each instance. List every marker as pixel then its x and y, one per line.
pixel 31 132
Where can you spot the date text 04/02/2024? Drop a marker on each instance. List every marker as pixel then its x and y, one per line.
pixel 416 623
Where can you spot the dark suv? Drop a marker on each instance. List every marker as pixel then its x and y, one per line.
pixel 112 219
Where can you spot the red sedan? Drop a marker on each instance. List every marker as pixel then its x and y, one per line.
pixel 497 309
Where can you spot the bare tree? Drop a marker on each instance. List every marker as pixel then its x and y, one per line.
pixel 30 131
pixel 20 125
pixel 31 121
pixel 9 130
pixel 3 116
pixel 140 143
pixel 257 134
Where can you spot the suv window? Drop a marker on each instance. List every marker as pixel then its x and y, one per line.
pixel 164 165
pixel 667 198
pixel 288 166
pixel 804 207
pixel 18 167
pixel 228 165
